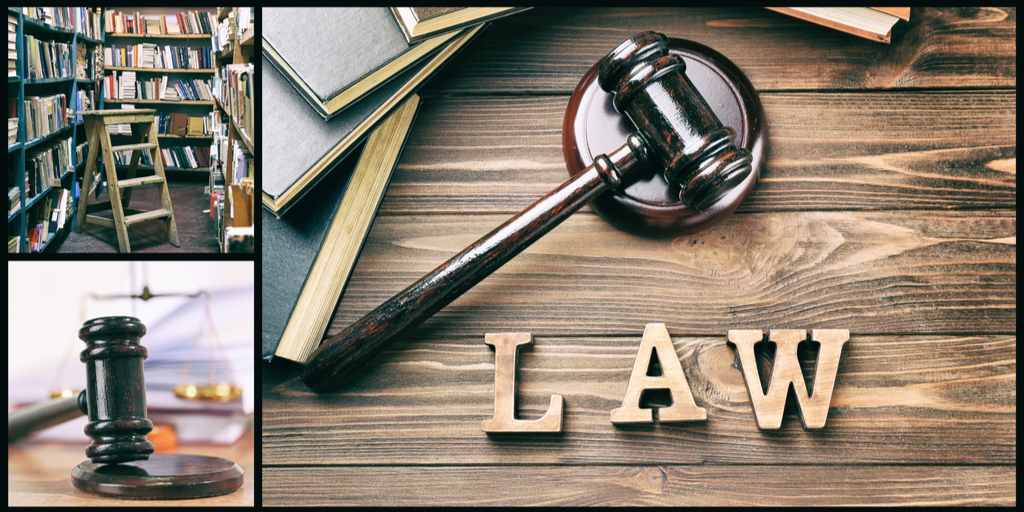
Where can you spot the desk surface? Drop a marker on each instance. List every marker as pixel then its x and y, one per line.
pixel 886 207
pixel 39 474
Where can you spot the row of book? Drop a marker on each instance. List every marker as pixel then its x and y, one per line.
pixel 46 219
pixel 45 115
pixel 79 19
pixel 190 22
pixel 147 55
pixel 176 123
pixel 185 157
pixel 232 85
pixel 12 45
pixel 126 87
pixel 44 167
pixel 47 59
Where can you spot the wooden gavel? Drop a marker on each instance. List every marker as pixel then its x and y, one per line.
pixel 674 124
pixel 114 398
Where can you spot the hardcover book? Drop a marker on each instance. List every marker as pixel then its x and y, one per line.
pixel 419 23
pixel 309 254
pixel 335 56
pixel 874 23
pixel 302 148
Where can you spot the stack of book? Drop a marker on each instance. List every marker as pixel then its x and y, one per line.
pixel 12 45
pixel 13 200
pixel 322 191
pixel 12 131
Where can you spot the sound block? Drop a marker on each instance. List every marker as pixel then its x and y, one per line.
pixel 651 206
pixel 162 477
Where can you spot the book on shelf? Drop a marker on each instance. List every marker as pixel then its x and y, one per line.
pixel 874 23
pixel 313 249
pixel 232 86
pixel 147 55
pixel 12 45
pixel 47 59
pixel 302 148
pixel 44 115
pixel 333 68
pixel 189 22
pixel 419 23
pixel 85 20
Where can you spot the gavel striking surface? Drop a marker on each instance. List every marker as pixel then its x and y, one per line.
pixel 121 463
pixel 651 205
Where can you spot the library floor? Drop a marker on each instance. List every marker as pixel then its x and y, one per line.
pixel 195 228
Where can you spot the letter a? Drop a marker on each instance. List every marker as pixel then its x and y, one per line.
pixel 506 345
pixel 683 408
pixel 786 370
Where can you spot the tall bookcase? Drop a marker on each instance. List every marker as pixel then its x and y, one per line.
pixel 238 51
pixel 18 87
pixel 191 108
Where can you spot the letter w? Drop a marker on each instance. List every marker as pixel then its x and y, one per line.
pixel 786 371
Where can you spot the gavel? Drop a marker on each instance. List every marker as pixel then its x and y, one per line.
pixel 122 464
pixel 114 398
pixel 674 125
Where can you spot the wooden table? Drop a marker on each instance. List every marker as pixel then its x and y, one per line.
pixel 886 207
pixel 40 475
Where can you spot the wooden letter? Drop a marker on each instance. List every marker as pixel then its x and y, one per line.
pixel 683 408
pixel 506 346
pixel 786 370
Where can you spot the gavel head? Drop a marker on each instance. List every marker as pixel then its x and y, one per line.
pixel 651 88
pixel 115 390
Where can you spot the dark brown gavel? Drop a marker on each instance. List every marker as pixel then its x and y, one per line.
pixel 114 399
pixel 674 125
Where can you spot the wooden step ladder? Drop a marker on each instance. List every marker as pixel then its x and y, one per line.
pixel 141 121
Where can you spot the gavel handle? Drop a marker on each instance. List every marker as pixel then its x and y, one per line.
pixel 338 357
pixel 24 421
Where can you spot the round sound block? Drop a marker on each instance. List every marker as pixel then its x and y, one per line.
pixel 162 477
pixel 651 206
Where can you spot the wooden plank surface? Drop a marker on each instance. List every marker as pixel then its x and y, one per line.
pixel 836 151
pixel 546 51
pixel 642 485
pixel 911 399
pixel 887 206
pixel 899 272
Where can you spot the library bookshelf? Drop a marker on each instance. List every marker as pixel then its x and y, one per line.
pixel 18 87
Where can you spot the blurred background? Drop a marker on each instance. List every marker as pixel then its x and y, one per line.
pixel 48 301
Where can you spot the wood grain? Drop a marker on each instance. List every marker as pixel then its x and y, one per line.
pixel 546 51
pixel 912 399
pixel 827 151
pixel 887 206
pixel 642 485
pixel 906 272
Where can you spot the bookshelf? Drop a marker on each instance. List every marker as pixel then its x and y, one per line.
pixel 238 50
pixel 41 205
pixel 187 107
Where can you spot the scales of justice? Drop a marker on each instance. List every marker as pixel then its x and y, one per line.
pixel 122 463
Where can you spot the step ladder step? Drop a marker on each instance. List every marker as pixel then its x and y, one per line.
pixel 97 219
pixel 145 180
pixel 139 217
pixel 127 147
